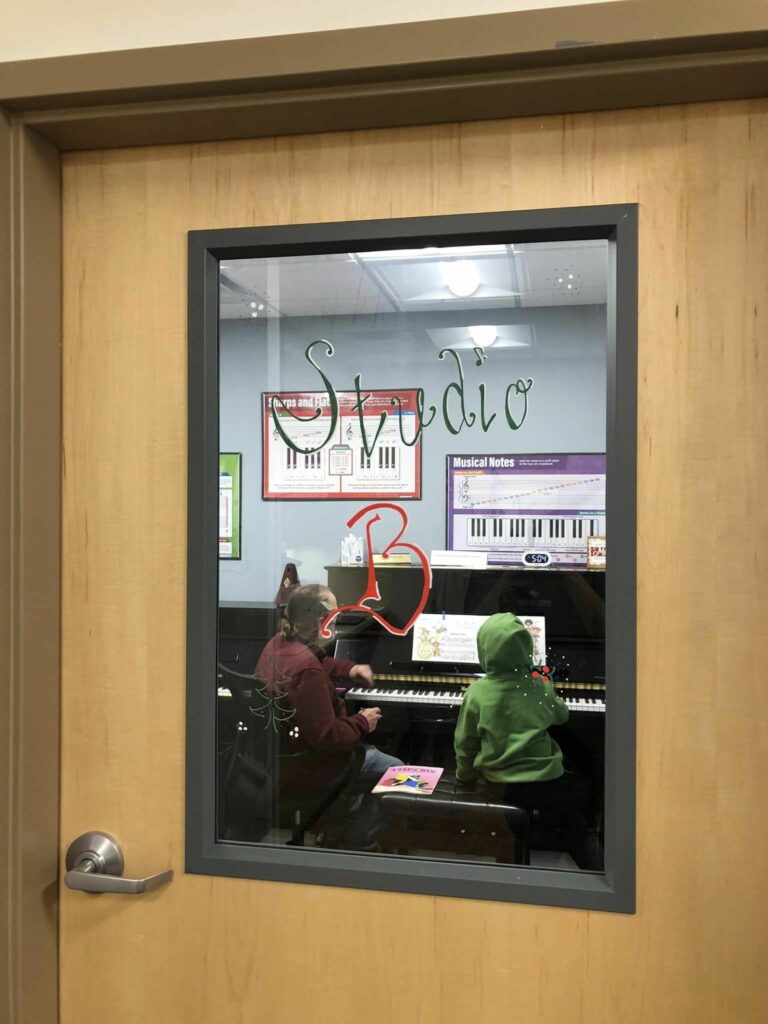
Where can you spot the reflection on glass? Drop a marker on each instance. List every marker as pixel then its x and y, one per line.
pixel 412 642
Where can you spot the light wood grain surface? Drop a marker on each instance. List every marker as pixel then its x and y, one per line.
pixel 210 950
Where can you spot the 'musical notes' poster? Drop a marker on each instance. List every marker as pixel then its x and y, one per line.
pixel 530 510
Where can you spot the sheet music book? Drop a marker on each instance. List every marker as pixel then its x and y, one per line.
pixel 408 778
pixel 453 638
pixel 450 638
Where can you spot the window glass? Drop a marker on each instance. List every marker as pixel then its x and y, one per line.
pixel 411 652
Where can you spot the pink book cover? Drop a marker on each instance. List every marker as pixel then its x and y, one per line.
pixel 408 778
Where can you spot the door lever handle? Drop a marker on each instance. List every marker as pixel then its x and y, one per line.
pixel 95 864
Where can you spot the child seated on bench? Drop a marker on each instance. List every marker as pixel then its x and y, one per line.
pixel 502 736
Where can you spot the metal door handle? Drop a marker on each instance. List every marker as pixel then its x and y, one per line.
pixel 95 864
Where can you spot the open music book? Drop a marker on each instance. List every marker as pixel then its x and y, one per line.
pixel 453 638
pixel 408 778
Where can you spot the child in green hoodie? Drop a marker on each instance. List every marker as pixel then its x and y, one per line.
pixel 502 735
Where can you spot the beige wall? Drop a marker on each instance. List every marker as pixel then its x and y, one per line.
pixel 50 28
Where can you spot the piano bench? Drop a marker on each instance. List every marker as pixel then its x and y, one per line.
pixel 456 820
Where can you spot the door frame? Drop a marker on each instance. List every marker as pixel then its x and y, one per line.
pixel 638 53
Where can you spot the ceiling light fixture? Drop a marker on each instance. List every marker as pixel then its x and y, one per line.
pixel 461 278
pixel 428 253
pixel 483 335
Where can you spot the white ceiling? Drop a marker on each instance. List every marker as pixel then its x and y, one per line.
pixel 415 280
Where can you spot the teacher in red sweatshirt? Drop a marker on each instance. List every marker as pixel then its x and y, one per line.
pixel 294 664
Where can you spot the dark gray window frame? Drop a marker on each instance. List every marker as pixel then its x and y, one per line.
pixel 614 890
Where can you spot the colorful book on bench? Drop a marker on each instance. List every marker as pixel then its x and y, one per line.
pixel 408 778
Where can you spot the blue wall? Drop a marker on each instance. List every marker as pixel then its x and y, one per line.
pixel 566 414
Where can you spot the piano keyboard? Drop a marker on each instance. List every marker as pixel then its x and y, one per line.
pixel 533 532
pixel 449 691
pixel 585 704
pixel 433 695
pixel 406 695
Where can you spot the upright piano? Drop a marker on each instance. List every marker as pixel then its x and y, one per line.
pixel 420 701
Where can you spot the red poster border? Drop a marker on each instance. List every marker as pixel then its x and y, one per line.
pixel 344 397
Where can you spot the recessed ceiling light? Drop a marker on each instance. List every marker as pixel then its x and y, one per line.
pixel 427 253
pixel 483 335
pixel 254 314
pixel 261 306
pixel 461 278
pixel 253 305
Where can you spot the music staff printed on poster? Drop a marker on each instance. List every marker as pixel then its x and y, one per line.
pixel 334 455
pixel 528 510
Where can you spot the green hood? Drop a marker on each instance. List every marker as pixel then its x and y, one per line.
pixel 505 646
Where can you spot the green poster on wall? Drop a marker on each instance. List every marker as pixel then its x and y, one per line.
pixel 229 504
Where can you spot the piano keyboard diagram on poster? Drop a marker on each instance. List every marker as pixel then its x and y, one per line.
pixel 532 510
pixel 335 456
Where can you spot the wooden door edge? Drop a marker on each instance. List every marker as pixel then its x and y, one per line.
pixel 30 415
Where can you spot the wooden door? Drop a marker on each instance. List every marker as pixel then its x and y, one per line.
pixel 209 950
